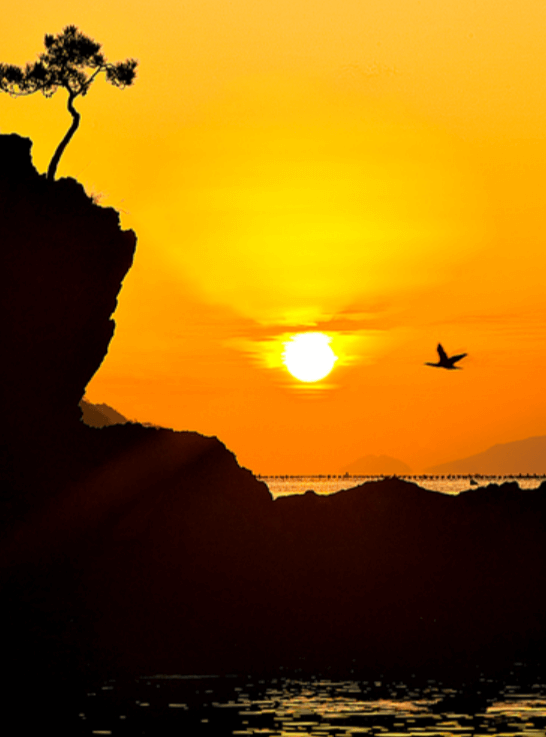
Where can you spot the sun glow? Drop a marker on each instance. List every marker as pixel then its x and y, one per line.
pixel 308 356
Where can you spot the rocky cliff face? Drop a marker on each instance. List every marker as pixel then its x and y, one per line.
pixel 82 508
pixel 62 260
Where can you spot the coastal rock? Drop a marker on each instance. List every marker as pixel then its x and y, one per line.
pixel 63 259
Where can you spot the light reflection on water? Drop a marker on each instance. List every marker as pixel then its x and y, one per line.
pixel 287 485
pixel 208 705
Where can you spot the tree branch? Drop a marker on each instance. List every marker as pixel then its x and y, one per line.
pixel 92 77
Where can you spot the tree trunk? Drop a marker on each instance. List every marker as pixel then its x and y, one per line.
pixel 54 163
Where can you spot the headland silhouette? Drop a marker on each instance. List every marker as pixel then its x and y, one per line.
pixel 128 549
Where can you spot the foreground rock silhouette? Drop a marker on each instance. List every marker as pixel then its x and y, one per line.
pixel 130 549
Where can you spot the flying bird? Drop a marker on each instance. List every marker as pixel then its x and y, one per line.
pixel 446 362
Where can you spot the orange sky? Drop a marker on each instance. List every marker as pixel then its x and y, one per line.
pixel 374 171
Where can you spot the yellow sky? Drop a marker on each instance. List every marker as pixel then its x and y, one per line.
pixel 374 171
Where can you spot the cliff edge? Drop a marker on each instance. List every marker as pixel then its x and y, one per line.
pixel 63 259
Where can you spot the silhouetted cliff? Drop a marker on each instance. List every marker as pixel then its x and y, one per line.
pixel 62 261
pixel 137 549
pixel 73 496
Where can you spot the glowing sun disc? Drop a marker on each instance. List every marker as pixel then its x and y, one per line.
pixel 308 356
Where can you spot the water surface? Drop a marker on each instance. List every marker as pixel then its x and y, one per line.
pixel 287 485
pixel 233 705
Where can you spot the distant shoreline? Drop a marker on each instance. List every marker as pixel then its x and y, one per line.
pixel 450 484
pixel 406 477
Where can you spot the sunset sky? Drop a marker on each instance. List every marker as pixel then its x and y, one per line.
pixel 375 171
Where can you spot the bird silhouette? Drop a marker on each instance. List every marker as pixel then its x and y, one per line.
pixel 444 361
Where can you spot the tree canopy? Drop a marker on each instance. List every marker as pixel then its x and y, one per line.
pixel 72 61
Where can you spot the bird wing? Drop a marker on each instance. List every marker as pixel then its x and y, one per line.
pixel 441 352
pixel 454 359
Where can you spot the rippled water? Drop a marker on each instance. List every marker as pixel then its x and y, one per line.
pixel 287 485
pixel 209 705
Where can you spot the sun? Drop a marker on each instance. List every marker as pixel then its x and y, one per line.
pixel 308 356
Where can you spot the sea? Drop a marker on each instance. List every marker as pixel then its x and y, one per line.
pixel 321 706
pixel 449 484
pixel 288 704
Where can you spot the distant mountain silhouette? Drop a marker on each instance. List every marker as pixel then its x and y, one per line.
pixel 135 550
pixel 100 415
pixel 381 465
pixel 506 459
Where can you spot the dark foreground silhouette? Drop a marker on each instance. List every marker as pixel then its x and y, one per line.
pixel 131 550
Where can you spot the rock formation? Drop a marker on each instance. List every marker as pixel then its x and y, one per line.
pixel 62 259
pixel 73 497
